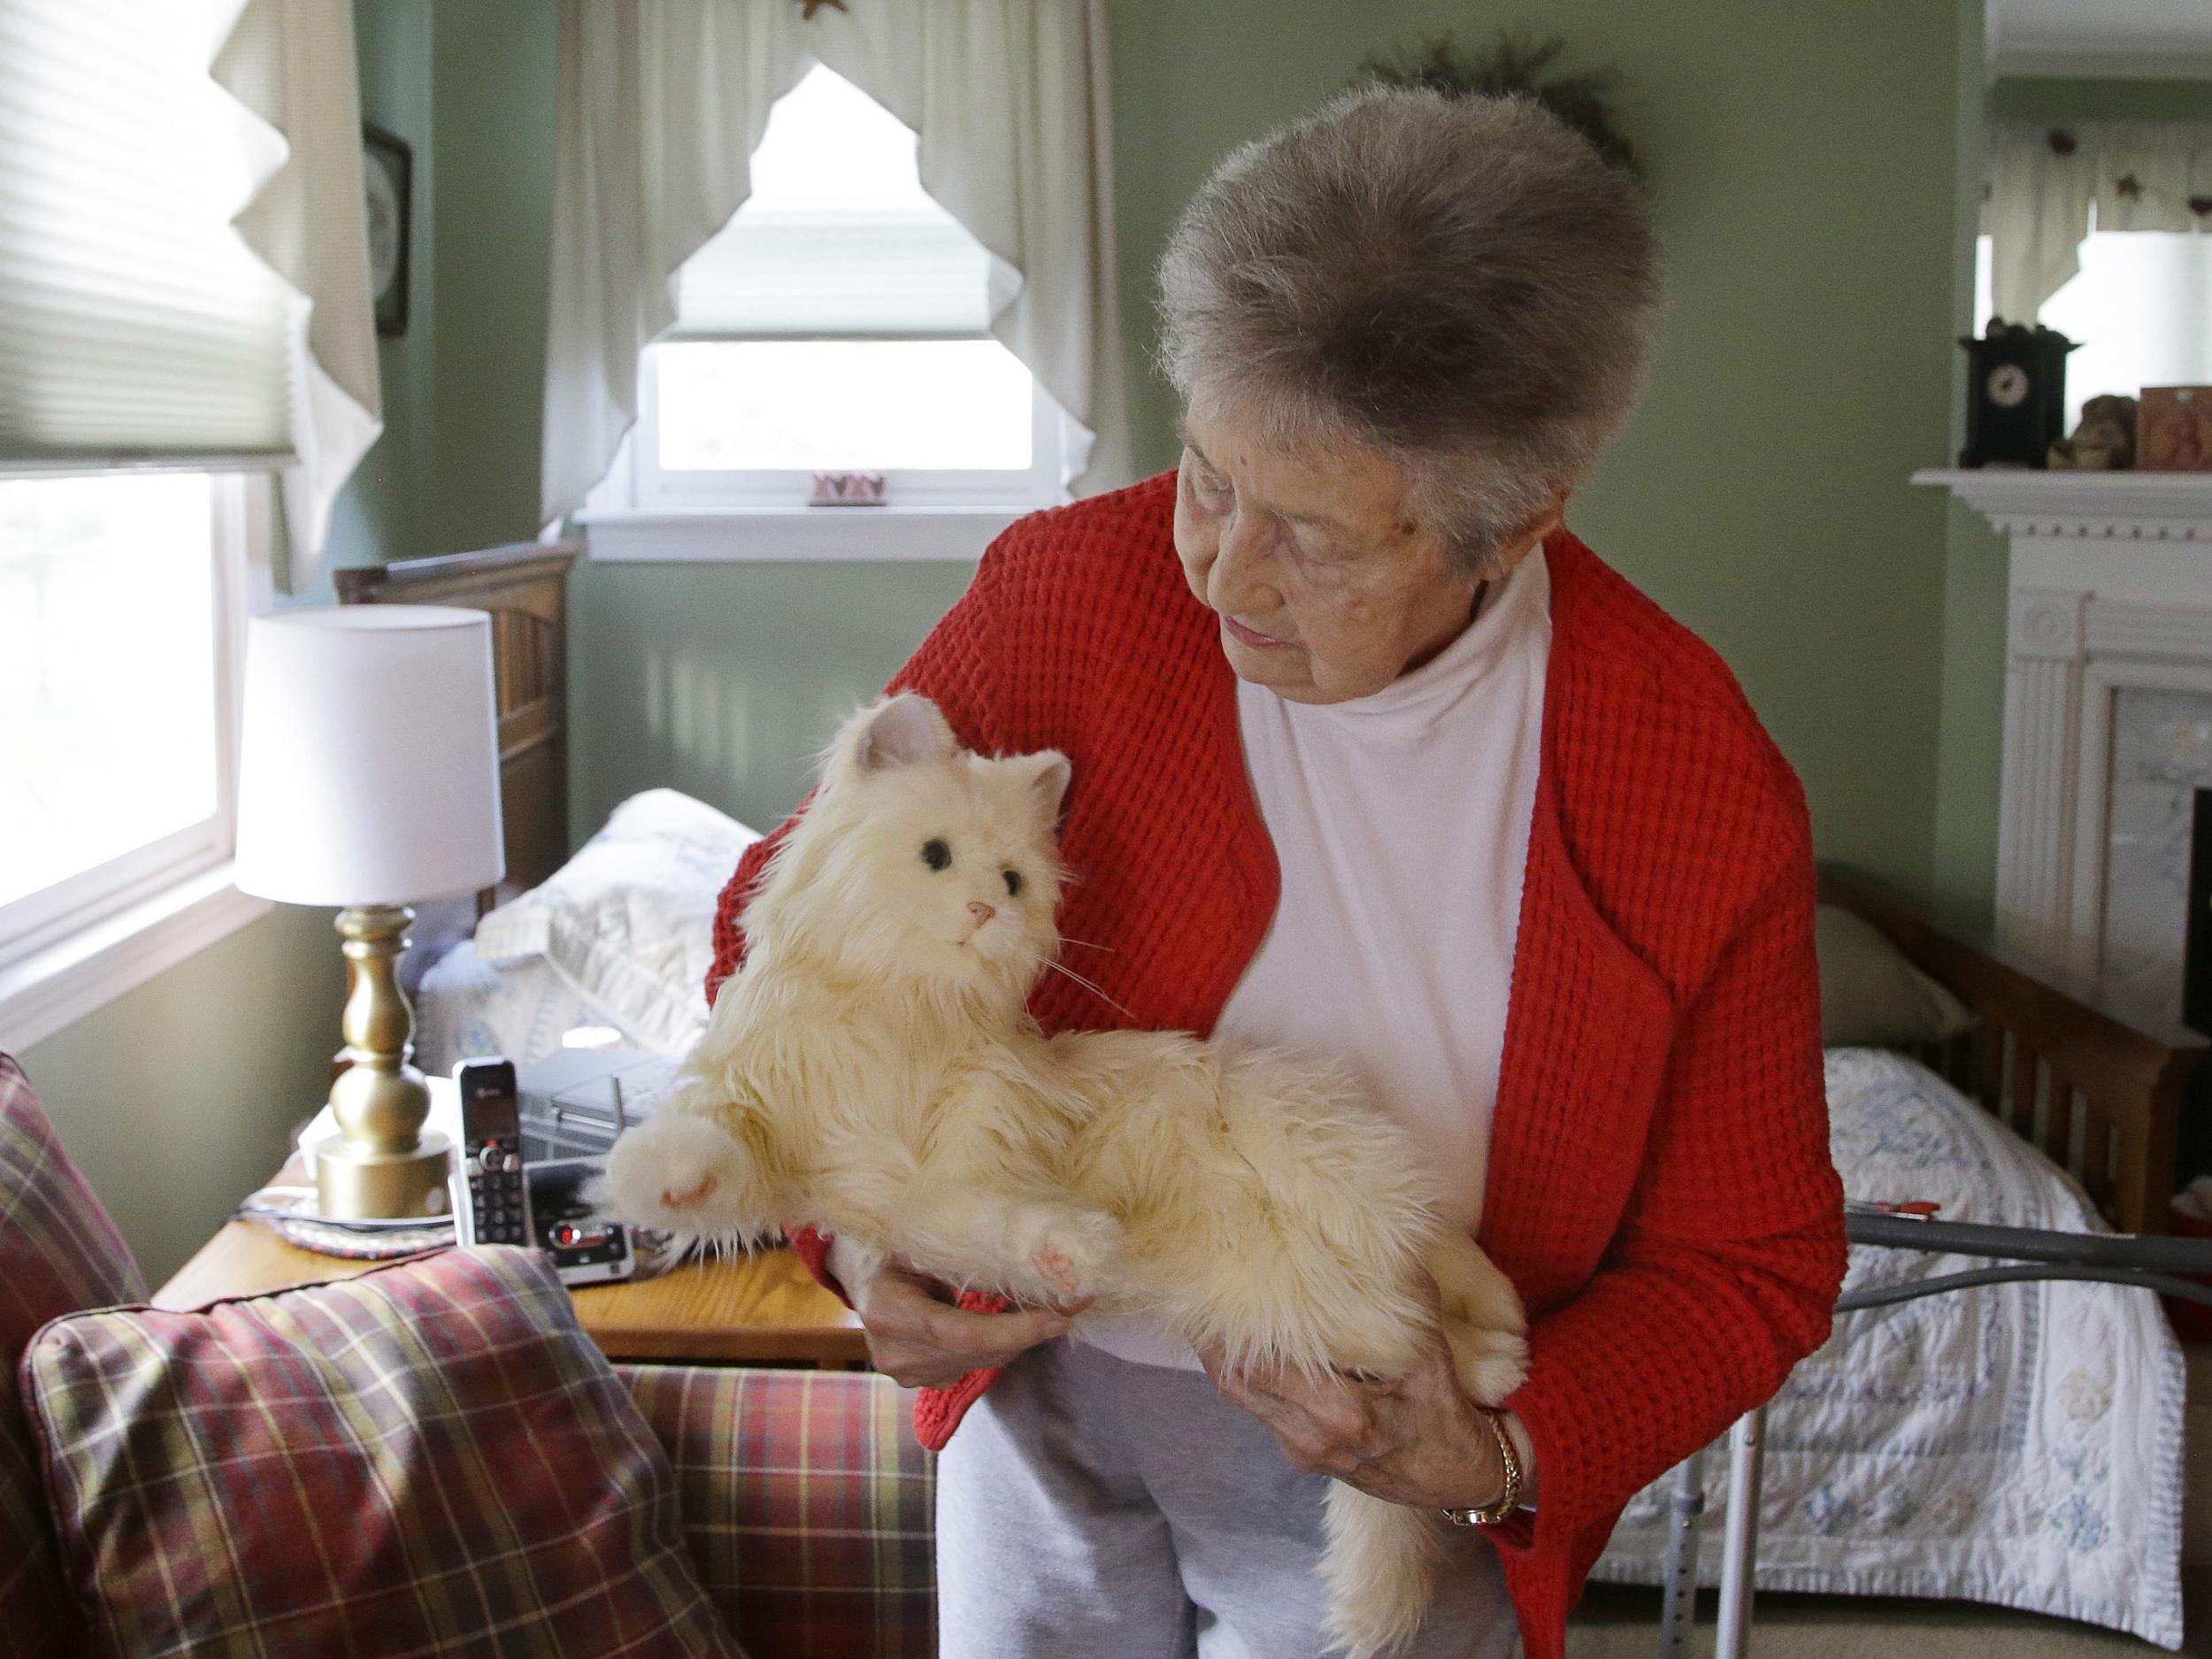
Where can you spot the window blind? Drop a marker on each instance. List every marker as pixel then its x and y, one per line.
pixel 882 272
pixel 838 237
pixel 135 326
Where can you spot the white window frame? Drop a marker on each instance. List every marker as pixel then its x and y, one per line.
pixel 768 489
pixel 644 513
pixel 70 948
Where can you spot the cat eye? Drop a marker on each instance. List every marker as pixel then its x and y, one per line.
pixel 936 855
pixel 1013 883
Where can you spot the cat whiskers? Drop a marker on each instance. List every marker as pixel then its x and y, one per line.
pixel 1092 986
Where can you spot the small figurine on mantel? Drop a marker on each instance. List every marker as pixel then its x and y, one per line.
pixel 2103 442
pixel 2174 433
pixel 2015 395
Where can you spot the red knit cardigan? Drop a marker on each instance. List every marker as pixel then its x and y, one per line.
pixel 1659 1187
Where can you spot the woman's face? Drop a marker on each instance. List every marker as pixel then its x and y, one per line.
pixel 1325 588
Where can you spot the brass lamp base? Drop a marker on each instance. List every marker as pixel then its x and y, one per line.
pixel 351 1185
pixel 381 1162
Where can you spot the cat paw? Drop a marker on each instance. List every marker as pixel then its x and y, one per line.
pixel 1068 1253
pixel 697 1192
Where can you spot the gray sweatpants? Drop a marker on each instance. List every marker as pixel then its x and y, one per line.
pixel 1092 1509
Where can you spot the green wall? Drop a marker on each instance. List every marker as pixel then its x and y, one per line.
pixel 1802 158
pixel 385 510
pixel 725 681
pixel 1806 162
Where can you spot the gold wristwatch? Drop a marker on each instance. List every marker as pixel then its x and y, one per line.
pixel 1509 1499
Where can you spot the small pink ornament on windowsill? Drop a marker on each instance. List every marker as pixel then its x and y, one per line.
pixel 848 489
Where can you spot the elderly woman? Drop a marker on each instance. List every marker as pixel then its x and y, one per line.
pixel 1373 757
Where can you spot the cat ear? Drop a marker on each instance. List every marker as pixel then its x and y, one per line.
pixel 1049 775
pixel 903 731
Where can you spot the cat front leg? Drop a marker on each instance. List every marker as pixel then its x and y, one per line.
pixel 684 1173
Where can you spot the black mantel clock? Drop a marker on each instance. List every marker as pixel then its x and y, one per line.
pixel 2015 395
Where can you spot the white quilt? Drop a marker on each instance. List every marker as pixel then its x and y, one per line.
pixel 2017 1444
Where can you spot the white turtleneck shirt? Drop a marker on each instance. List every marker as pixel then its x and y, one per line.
pixel 1401 822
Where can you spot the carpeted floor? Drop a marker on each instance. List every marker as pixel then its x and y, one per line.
pixel 1617 1622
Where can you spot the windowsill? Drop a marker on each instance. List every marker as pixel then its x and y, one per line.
pixel 806 535
pixel 73 976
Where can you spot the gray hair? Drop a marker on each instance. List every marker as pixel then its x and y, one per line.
pixel 1460 284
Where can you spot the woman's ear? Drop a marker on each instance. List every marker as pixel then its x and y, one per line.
pixel 1525 540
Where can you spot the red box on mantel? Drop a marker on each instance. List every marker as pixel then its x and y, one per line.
pixel 2173 429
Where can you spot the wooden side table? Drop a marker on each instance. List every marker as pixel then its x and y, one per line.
pixel 764 1308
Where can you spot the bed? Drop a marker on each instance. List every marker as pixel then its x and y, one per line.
pixel 2018 1444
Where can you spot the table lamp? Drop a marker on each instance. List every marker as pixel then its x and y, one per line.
pixel 369 782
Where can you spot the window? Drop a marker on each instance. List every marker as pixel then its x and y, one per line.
pixel 147 361
pixel 2140 305
pixel 840 323
pixel 125 595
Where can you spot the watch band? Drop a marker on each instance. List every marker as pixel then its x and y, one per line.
pixel 1509 1499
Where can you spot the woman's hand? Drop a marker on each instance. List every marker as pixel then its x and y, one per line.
pixel 1415 1439
pixel 919 1340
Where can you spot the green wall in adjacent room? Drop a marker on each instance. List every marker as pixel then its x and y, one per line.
pixel 1971 747
pixel 2039 98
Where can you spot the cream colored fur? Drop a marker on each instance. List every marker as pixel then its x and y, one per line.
pixel 874 1072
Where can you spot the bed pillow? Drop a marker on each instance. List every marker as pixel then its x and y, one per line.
pixel 1872 996
pixel 429 1458
pixel 629 921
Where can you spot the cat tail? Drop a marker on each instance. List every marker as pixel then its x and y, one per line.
pixel 1379 1565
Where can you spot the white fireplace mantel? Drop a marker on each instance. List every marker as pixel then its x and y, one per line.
pixel 2110 588
pixel 2087 506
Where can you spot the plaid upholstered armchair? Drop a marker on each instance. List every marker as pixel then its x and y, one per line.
pixel 431 1458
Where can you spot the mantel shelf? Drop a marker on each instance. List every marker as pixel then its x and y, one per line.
pixel 2093 506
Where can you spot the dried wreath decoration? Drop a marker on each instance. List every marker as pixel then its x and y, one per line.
pixel 1517 65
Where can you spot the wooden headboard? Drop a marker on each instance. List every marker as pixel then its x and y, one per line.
pixel 524 586
pixel 2096 1085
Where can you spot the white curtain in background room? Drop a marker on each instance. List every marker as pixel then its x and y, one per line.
pixel 2050 187
pixel 662 102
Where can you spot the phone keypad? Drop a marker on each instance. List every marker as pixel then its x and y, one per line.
pixel 495 1173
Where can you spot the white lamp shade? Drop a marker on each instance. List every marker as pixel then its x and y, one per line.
pixel 369 758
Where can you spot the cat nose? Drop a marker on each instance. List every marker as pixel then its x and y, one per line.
pixel 981 911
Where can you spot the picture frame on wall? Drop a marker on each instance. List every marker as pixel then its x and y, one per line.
pixel 387 178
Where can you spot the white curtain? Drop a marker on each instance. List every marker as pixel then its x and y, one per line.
pixel 2049 187
pixel 290 65
pixel 661 103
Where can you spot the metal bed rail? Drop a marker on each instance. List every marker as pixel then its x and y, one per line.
pixel 2146 1261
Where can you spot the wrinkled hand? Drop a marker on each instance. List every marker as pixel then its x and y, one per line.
pixel 919 1340
pixel 1415 1439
